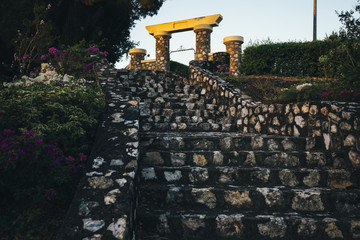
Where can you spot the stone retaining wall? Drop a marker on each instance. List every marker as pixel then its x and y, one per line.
pixel 338 124
pixel 105 202
pixel 148 64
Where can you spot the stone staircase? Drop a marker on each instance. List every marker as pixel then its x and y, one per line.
pixel 178 158
pixel 224 186
pixel 199 179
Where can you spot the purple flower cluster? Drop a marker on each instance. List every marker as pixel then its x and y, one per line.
pixel 54 51
pixel 344 92
pixel 29 149
pixel 87 67
pixel 50 194
pixel 44 57
pixel 222 68
pixel 327 94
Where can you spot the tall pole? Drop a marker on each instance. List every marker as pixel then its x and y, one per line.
pixel 314 26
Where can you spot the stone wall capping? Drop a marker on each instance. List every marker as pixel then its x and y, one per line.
pixel 162 33
pixel 137 50
pixel 203 27
pixel 148 61
pixel 233 39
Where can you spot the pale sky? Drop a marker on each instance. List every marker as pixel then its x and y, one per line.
pixel 255 20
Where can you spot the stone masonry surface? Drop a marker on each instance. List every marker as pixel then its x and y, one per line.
pixel 234 49
pixel 202 43
pixel 136 58
pixel 104 206
pixel 337 124
pixel 179 158
pixel 162 52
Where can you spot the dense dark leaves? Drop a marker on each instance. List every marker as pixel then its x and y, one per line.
pixel 100 21
pixel 351 24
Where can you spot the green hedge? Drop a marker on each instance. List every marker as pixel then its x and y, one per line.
pixel 179 68
pixel 288 59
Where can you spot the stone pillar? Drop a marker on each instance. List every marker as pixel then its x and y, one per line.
pixel 137 55
pixel 233 47
pixel 210 57
pixel 162 50
pixel 222 58
pixel 203 32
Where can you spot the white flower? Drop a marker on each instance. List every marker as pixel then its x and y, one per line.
pixel 46 78
pixel 300 87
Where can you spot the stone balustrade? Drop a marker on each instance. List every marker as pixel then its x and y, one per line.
pixel 137 55
pixel 105 202
pixel 203 32
pixel 149 64
pixel 162 50
pixel 221 57
pixel 233 47
pixel 337 124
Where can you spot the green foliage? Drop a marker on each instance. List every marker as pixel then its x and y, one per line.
pixel 179 68
pixel 37 174
pixel 66 113
pixel 33 173
pixel 285 59
pixel 110 21
pixel 35 39
pixel 26 30
pixel 319 90
pixel 306 93
pixel 76 60
pixel 351 28
pixel 68 22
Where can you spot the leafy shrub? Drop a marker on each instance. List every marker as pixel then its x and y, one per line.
pixel 66 113
pixel 35 38
pixel 33 173
pixel 285 59
pixel 179 68
pixel 38 171
pixel 76 60
pixel 319 91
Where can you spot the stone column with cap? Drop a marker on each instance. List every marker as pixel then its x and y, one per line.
pixel 137 55
pixel 233 47
pixel 203 32
pixel 162 50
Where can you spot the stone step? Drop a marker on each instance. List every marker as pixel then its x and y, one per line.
pixel 249 176
pixel 148 126
pixel 183 114
pixel 168 105
pixel 150 157
pixel 228 142
pixel 239 225
pixel 250 199
pixel 257 158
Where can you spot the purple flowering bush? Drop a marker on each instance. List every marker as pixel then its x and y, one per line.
pixel 52 131
pixel 77 60
pixel 36 174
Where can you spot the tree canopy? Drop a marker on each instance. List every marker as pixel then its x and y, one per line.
pixel 351 24
pixel 67 22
